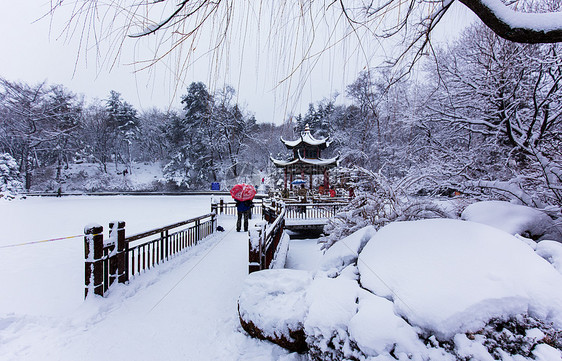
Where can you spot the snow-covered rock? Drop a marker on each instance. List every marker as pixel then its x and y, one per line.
pixel 552 252
pixel 332 303
pixel 451 276
pixel 514 219
pixel 345 251
pixel 272 306
pixel 377 330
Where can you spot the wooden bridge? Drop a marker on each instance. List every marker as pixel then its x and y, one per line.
pixel 119 258
pixel 265 241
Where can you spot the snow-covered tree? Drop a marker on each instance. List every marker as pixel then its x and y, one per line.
pixel 10 180
pixel 506 102
pixel 123 121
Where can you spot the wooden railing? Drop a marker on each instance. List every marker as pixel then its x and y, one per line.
pixel 229 208
pixel 119 258
pixel 312 210
pixel 265 239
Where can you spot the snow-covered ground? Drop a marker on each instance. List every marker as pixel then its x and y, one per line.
pixel 182 310
pixel 53 272
pixel 90 178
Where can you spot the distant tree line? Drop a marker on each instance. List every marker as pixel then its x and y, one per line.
pixel 486 118
pixel 210 138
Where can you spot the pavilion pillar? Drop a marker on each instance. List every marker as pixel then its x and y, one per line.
pixel 311 172
pixel 291 179
pixel 285 178
pixel 326 179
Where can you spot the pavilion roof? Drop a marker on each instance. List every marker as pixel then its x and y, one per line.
pixel 331 162
pixel 307 138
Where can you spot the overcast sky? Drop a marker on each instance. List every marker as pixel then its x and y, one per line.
pixel 32 51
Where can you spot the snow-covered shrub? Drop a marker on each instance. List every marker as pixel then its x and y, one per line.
pixel 436 289
pixel 378 204
pixel 10 182
pixel 518 335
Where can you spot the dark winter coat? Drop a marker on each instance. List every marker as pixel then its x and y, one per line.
pixel 243 206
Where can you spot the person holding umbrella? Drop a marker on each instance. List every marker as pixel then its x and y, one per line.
pixel 243 195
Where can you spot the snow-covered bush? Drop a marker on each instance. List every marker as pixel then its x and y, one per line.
pixel 518 335
pixel 378 204
pixel 10 182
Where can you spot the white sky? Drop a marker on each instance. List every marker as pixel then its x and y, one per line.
pixel 32 51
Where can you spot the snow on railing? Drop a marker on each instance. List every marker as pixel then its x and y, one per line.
pixel 118 258
pixel 265 237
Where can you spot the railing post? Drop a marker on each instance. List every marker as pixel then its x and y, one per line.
pixel 221 206
pixel 164 236
pixel 198 229
pixel 255 247
pixel 122 251
pixel 93 253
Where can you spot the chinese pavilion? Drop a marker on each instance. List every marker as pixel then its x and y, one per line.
pixel 306 159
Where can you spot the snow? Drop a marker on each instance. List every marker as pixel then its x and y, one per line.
pixel 280 257
pixel 89 177
pixel 274 300
pixel 377 329
pixel 537 21
pixel 304 254
pixel 316 162
pixel 451 276
pixel 552 252
pixel 305 137
pixel 183 309
pixel 331 305
pixel 346 250
pixel 514 219
pixel 370 295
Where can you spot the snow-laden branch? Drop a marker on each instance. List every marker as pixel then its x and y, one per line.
pixel 518 26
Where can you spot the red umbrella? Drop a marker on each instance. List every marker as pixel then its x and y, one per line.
pixel 243 192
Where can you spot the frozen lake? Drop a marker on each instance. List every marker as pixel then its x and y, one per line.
pixel 48 278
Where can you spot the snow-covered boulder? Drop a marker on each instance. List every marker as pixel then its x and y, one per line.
pixel 377 330
pixel 332 304
pixel 514 219
pixel 450 276
pixel 552 252
pixel 272 306
pixel 345 251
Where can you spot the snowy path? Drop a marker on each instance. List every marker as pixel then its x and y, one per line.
pixel 185 309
